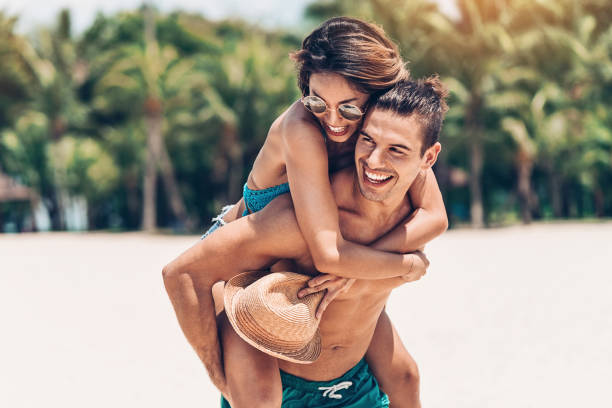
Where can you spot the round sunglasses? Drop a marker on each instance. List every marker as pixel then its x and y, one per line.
pixel 318 106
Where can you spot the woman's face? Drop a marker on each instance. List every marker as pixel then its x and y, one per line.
pixel 336 91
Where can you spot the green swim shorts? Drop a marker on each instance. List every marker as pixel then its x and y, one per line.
pixel 357 388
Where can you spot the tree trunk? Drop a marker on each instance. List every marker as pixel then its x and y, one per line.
pixel 476 159
pixel 53 192
pixel 33 204
pixel 554 189
pixel 149 211
pixel 525 166
pixel 234 152
pixel 599 201
pixel 171 187
pixel 55 210
pixel 133 201
pixel 557 201
pixel 476 162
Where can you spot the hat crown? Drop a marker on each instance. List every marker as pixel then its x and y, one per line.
pixel 272 304
pixel 264 310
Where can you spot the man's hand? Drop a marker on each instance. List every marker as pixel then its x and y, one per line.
pixel 334 286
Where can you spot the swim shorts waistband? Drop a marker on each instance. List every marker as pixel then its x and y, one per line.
pixel 306 385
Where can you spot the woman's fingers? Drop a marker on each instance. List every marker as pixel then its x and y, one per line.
pixel 334 288
pixel 319 280
pixel 318 288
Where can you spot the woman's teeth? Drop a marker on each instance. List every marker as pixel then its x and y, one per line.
pixel 339 129
pixel 376 178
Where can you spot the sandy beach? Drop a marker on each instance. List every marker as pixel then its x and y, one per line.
pixel 513 317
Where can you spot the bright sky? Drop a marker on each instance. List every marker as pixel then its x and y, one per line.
pixel 267 12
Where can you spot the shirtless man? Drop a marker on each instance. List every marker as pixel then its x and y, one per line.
pixel 398 140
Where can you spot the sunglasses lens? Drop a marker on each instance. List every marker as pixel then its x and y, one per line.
pixel 350 112
pixel 314 104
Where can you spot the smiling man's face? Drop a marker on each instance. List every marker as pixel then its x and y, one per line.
pixel 388 154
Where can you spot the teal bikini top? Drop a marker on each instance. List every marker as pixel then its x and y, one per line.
pixel 255 200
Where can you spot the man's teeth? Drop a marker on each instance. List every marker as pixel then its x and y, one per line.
pixel 336 129
pixel 376 177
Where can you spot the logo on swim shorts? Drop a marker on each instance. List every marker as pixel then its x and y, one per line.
pixel 330 392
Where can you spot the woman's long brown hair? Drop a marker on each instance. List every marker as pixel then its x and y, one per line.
pixel 357 50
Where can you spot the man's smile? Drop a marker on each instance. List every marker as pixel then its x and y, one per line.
pixel 375 178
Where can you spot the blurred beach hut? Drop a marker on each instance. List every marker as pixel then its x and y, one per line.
pixel 13 191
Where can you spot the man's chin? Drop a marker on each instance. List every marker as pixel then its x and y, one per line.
pixel 370 195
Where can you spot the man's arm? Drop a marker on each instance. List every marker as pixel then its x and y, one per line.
pixel 246 244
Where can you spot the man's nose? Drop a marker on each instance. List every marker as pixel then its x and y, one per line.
pixel 375 159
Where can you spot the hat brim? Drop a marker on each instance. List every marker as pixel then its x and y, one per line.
pixel 233 288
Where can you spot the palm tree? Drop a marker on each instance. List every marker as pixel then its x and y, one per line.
pixel 50 69
pixel 246 86
pixel 14 79
pixel 142 72
pixel 466 53
pixel 574 139
pixel 257 84
pixel 588 45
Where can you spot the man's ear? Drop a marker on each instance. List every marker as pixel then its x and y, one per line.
pixel 431 155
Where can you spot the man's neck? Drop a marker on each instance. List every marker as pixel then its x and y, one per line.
pixel 388 209
pixel 380 215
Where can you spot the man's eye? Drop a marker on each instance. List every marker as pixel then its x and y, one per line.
pixel 397 151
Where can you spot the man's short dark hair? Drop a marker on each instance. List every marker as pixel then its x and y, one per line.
pixel 425 98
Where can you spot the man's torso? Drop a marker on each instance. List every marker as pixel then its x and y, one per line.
pixel 349 321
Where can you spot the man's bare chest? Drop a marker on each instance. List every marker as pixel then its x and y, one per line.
pixel 359 229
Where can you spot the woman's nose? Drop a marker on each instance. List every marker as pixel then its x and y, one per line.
pixel 333 117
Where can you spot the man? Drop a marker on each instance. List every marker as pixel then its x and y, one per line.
pixel 398 140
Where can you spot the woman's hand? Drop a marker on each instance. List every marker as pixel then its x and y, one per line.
pixel 334 286
pixel 418 271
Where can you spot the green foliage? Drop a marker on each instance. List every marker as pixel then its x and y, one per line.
pixel 528 134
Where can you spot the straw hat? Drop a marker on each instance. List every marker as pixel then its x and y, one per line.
pixel 265 311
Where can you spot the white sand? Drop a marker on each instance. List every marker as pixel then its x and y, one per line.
pixel 516 317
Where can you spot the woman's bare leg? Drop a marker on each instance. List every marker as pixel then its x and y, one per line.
pixel 394 368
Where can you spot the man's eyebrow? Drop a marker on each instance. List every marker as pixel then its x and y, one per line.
pixel 401 146
pixel 344 101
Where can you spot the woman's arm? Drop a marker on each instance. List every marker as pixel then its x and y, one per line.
pixel 426 222
pixel 317 213
pixel 334 285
